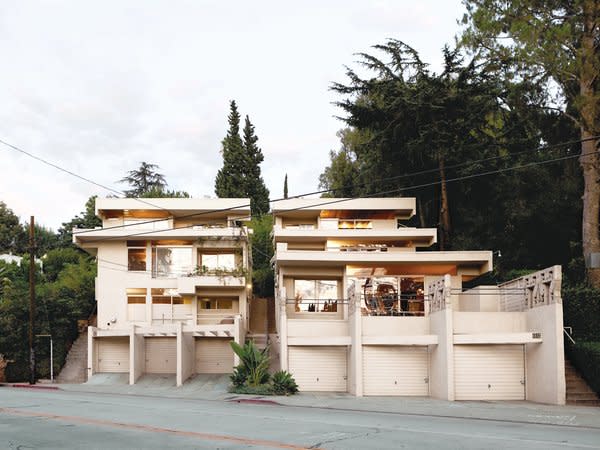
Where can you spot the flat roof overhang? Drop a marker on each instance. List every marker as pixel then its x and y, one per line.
pixel 211 208
pixel 417 236
pixel 478 262
pixel 345 207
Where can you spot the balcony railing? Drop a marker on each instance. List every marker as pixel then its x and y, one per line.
pixel 392 305
pixel 315 305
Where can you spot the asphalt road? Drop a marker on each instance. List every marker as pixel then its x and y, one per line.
pixel 35 419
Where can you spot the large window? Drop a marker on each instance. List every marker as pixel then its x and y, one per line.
pixel 315 295
pixel 136 296
pixel 216 303
pixel 171 262
pixel 216 261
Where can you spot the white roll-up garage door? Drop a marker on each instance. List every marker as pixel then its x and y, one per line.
pixel 395 370
pixel 214 355
pixel 489 372
pixel 319 368
pixel 113 354
pixel 161 355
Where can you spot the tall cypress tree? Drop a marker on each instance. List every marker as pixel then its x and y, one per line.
pixel 230 180
pixel 254 183
pixel 285 187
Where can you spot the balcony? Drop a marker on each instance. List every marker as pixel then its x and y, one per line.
pixel 186 285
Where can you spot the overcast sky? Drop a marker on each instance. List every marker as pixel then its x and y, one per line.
pixel 98 87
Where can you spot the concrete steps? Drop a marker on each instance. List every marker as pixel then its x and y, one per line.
pixel 75 368
pixel 260 340
pixel 578 392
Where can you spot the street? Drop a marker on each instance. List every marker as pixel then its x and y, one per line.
pixel 32 418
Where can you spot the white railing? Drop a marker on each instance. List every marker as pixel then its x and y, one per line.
pixel 530 291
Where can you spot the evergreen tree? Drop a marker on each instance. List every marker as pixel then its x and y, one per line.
pixel 230 181
pixel 254 183
pixel 240 175
pixel 144 180
pixel 285 187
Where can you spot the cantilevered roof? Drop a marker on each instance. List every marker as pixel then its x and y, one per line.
pixel 165 207
pixel 403 207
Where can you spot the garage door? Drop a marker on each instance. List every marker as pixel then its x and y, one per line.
pixel 113 354
pixel 489 372
pixel 161 355
pixel 214 355
pixel 319 368
pixel 395 370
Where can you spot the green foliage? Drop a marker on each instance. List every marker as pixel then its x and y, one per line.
pixel 262 389
pixel 86 219
pixel 144 180
pixel 240 175
pixel 254 364
pixel 284 383
pixel 285 187
pixel 156 192
pixel 263 278
pixel 12 235
pixel 581 309
pixel 585 356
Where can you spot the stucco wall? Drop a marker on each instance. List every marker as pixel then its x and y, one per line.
pixel 325 328
pixel 137 357
pixel 185 357
pixel 545 362
pixel 394 326
pixel 480 298
pixel 441 356
pixel 489 322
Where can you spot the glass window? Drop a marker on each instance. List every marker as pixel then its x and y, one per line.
pixel 172 261
pixel 136 296
pixel 216 303
pixel 309 294
pixel 217 261
pixel 165 297
pixel 136 259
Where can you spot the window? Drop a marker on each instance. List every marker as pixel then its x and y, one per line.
pixel 136 258
pixel 166 297
pixel 171 262
pixel 216 303
pixel 136 296
pixel 217 261
pixel 311 295
pixel 355 224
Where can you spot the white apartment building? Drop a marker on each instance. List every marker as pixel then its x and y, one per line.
pixel 173 285
pixel 363 307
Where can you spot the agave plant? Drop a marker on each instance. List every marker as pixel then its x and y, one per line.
pixel 284 383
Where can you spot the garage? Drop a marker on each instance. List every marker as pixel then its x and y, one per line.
pixel 161 355
pixel 395 370
pixel 214 355
pixel 113 354
pixel 489 372
pixel 319 368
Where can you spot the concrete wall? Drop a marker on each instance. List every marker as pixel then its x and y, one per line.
pixel 274 350
pixel 186 355
pixel 480 298
pixel 489 322
pixel 394 326
pixel 441 356
pixel 545 362
pixel 325 328
pixel 137 357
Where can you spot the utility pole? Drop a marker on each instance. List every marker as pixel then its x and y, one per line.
pixel 31 300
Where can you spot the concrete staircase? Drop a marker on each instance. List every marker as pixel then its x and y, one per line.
pixel 260 340
pixel 578 392
pixel 75 368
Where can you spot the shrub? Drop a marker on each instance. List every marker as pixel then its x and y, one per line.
pixel 253 369
pixel 581 306
pixel 284 383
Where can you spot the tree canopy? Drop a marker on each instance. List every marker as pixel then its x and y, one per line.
pixel 553 44
pixel 240 175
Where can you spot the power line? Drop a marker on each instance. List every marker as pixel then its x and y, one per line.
pixel 395 190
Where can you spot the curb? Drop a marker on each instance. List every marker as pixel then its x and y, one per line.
pixel 35 386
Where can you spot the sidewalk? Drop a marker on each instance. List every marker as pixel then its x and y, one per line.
pixel 214 388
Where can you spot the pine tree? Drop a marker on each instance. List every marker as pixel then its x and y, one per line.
pixel 285 187
pixel 255 185
pixel 230 181
pixel 144 180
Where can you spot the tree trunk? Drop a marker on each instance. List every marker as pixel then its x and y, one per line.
pixel 589 160
pixel 444 220
pixel 421 212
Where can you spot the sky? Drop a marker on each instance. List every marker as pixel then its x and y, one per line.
pixel 99 87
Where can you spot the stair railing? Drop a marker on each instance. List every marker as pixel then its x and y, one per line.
pixel 569 333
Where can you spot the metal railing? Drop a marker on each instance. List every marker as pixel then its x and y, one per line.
pixel 317 305
pixel 392 305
